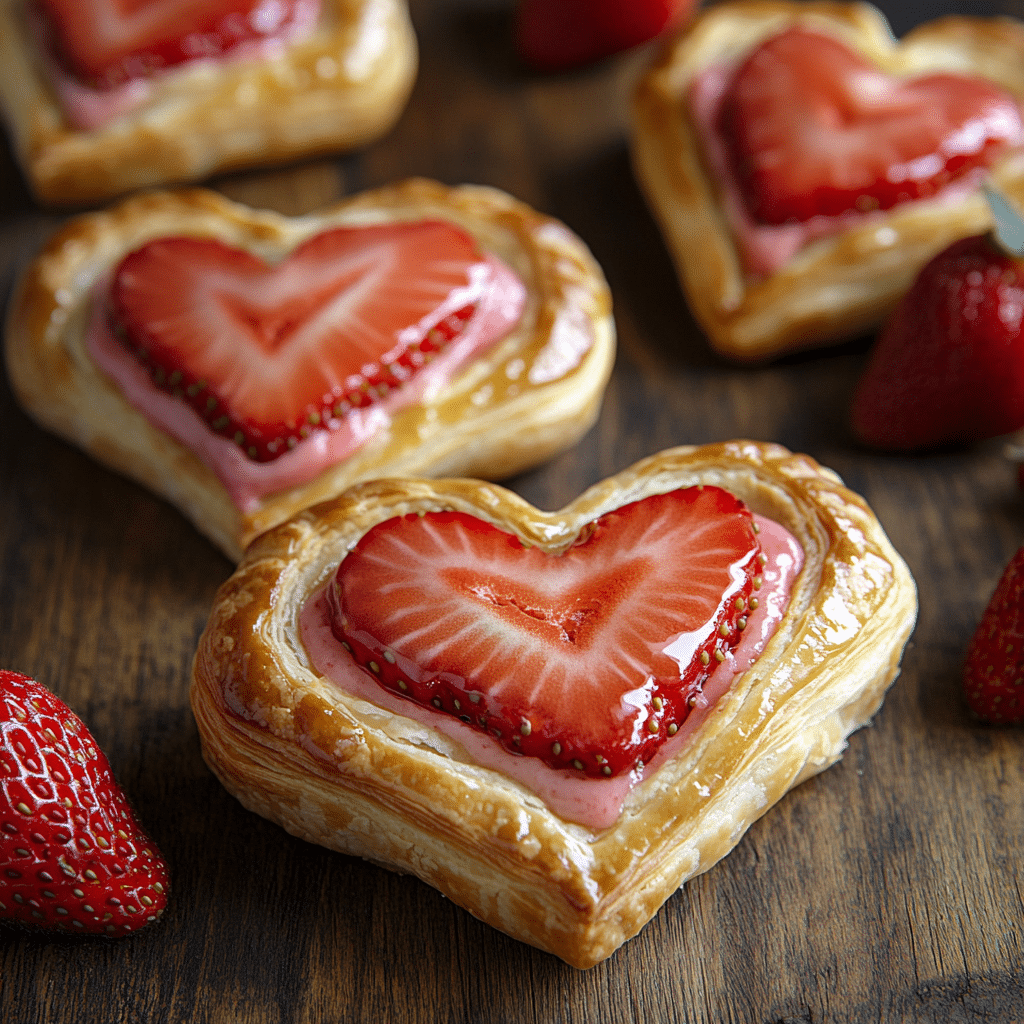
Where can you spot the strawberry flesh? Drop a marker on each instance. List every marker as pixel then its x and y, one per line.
pixel 268 355
pixel 106 43
pixel 994 669
pixel 948 366
pixel 73 856
pixel 813 129
pixel 587 659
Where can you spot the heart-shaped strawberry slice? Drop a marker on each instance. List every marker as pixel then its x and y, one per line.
pixel 105 43
pixel 588 658
pixel 268 354
pixel 813 129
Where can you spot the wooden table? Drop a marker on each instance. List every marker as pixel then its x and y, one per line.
pixel 887 889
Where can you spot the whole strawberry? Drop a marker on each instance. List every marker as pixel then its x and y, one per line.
pixel 949 365
pixel 73 856
pixel 553 35
pixel 994 670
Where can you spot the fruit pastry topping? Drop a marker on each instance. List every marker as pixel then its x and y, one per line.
pixel 555 35
pixel 808 137
pixel 573 670
pixel 948 366
pixel 103 51
pixel 106 43
pixel 994 670
pixel 73 856
pixel 271 371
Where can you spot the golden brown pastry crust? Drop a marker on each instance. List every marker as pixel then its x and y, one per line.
pixel 341 88
pixel 342 772
pixel 512 407
pixel 835 287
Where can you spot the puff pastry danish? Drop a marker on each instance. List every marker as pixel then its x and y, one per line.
pixel 492 405
pixel 337 87
pixel 304 736
pixel 850 272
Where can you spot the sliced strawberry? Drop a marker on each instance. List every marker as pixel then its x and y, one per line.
pixel 269 354
pixel 586 659
pixel 73 856
pixel 105 43
pixel 812 128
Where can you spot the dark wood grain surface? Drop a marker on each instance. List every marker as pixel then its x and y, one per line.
pixel 887 889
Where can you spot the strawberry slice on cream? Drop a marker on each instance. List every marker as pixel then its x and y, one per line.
pixel 625 685
pixel 103 54
pixel 269 372
pixel 106 43
pixel 808 138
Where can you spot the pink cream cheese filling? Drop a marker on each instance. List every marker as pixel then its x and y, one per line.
pixel 89 109
pixel 594 803
pixel 765 248
pixel 500 297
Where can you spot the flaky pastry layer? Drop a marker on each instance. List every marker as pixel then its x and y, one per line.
pixel 838 286
pixel 350 775
pixel 532 394
pixel 340 88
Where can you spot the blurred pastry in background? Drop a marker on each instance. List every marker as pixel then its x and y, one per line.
pixel 99 101
pixel 803 164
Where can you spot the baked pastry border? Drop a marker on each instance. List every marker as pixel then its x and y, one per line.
pixel 349 775
pixel 837 287
pixel 534 393
pixel 319 95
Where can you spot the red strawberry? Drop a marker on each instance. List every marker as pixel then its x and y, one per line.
pixel 553 35
pixel 812 128
pixel 105 43
pixel 994 671
pixel 585 659
pixel 73 856
pixel 949 364
pixel 268 354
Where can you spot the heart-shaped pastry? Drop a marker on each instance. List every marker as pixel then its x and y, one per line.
pixel 104 97
pixel 803 164
pixel 246 364
pixel 299 697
